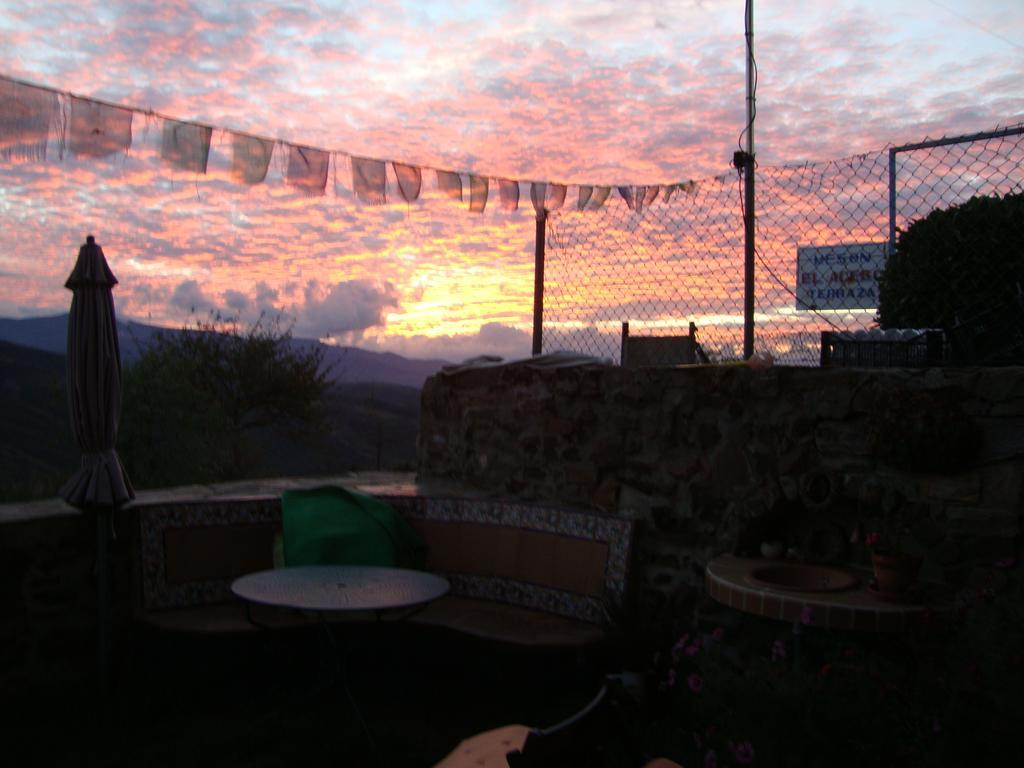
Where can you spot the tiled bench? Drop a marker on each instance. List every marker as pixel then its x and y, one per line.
pixel 520 572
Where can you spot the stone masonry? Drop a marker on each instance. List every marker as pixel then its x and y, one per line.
pixel 721 458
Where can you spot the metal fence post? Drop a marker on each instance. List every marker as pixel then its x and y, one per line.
pixel 892 199
pixel 538 282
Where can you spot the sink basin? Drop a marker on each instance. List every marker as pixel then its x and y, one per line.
pixel 801 577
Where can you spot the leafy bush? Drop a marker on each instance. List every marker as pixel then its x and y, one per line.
pixel 952 261
pixel 195 398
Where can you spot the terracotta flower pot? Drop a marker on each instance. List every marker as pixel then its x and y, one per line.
pixel 895 574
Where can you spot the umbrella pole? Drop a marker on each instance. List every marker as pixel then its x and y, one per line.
pixel 103 608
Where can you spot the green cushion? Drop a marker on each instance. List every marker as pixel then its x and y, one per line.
pixel 332 525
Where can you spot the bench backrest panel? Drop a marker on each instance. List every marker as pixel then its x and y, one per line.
pixel 568 562
pixel 190 552
pixel 216 552
pixel 535 557
pixel 591 585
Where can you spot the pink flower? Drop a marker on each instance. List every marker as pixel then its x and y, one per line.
pixel 742 752
pixel 710 759
pixel 1006 562
pixel 692 650
pixel 696 682
pixel 872 538
pixel 718 633
pixel 680 644
pixel 778 650
pixel 805 615
pixel 671 678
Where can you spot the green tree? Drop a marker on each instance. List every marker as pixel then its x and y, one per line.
pixel 199 402
pixel 955 261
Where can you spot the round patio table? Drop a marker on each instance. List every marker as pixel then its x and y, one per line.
pixel 340 588
pixel 337 589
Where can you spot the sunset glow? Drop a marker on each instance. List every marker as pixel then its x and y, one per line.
pixel 592 93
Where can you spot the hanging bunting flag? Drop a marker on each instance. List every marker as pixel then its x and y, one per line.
pixel 95 129
pixel 186 145
pixel 250 158
pixel 555 196
pixel 409 181
pixel 508 191
pixel 307 169
pixel 369 180
pixel 478 186
pixel 538 191
pixel 627 194
pixel 450 184
pixel 599 196
pixel 25 115
pixel 585 193
pixel 98 130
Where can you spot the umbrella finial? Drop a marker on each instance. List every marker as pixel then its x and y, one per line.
pixel 90 240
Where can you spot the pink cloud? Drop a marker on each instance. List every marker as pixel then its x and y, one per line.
pixel 561 93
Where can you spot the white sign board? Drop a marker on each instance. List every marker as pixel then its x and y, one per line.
pixel 839 276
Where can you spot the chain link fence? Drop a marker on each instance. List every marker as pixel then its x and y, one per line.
pixel 825 232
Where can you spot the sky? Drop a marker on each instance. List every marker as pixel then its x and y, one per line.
pixel 602 92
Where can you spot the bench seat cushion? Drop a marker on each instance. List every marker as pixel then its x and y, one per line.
pixel 233 617
pixel 507 623
pixel 224 618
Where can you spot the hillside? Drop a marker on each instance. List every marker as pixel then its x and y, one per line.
pixel 366 426
pixel 349 365
pixel 37 451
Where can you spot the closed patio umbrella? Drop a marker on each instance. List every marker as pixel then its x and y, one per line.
pixel 94 398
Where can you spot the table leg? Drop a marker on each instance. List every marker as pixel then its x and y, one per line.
pixel 340 653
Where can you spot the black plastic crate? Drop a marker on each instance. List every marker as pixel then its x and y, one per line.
pixel 900 349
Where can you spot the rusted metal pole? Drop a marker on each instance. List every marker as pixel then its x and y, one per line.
pixel 538 282
pixel 748 195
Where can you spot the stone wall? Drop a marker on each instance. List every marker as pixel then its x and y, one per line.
pixel 48 594
pixel 721 458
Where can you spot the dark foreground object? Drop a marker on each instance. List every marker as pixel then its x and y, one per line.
pixel 275 699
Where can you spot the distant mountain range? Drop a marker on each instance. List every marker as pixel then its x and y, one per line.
pixel 348 365
pixel 369 425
